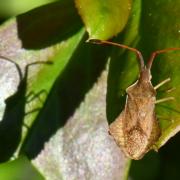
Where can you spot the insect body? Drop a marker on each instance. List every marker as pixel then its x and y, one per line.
pixel 136 129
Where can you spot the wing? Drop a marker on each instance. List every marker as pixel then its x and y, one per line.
pixel 139 112
pixel 136 129
pixel 139 122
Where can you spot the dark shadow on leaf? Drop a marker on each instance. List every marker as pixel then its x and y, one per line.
pixel 12 121
pixel 146 168
pixel 121 75
pixel 115 103
pixel 68 92
pixel 162 165
pixel 48 24
pixel 31 96
pixel 169 156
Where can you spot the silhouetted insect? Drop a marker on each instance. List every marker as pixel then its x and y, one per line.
pixel 136 129
pixel 13 117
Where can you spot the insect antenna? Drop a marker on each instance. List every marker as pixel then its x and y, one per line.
pixel 155 53
pixel 138 53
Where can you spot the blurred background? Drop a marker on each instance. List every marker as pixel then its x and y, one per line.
pixel 9 8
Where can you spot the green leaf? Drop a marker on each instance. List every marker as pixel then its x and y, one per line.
pixel 19 169
pixel 166 65
pixel 152 26
pixel 31 39
pixel 63 103
pixel 104 19
pixel 158 36
pixel 124 69
pixel 49 94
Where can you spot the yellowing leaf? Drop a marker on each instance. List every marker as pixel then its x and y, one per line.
pixel 104 19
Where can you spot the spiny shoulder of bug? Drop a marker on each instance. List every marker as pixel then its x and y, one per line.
pixel 143 84
pixel 143 87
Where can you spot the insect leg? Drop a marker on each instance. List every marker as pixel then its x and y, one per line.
pixel 170 90
pixel 165 118
pixel 31 96
pixel 162 83
pixel 164 100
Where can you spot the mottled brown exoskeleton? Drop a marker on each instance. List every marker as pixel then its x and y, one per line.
pixel 136 129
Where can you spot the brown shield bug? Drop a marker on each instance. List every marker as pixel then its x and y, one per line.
pixel 136 129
